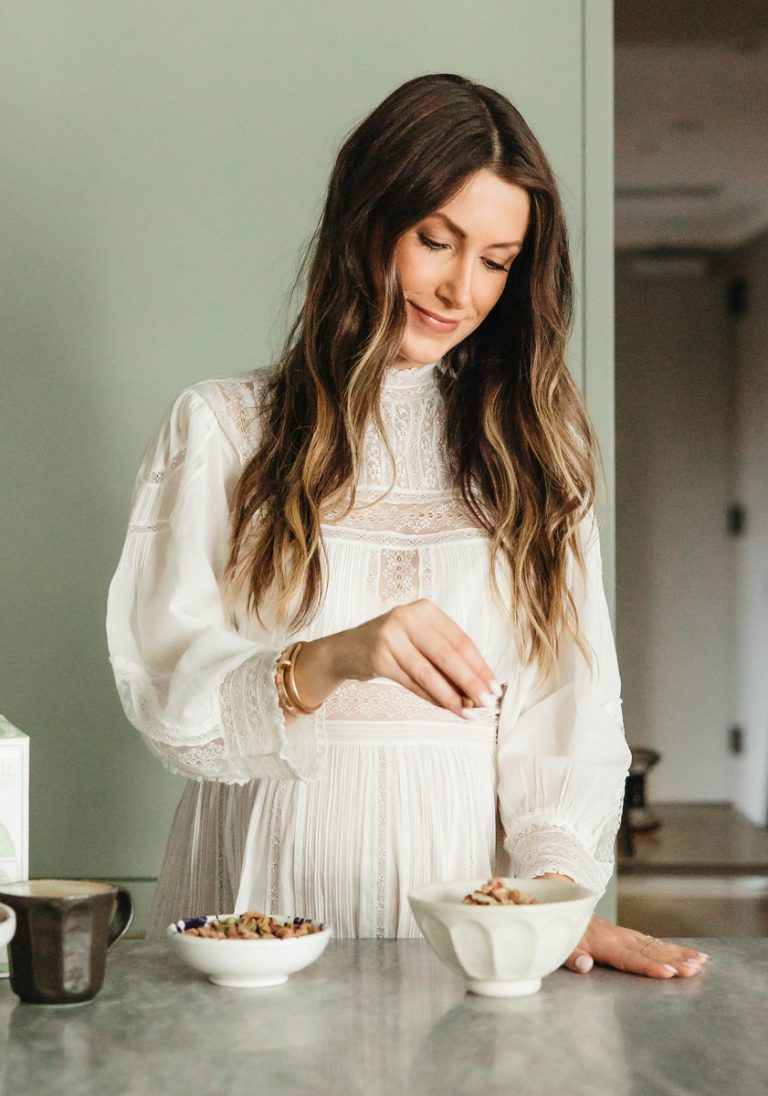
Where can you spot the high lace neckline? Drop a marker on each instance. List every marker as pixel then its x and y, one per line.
pixel 415 376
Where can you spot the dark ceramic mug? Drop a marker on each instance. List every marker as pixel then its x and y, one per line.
pixel 64 927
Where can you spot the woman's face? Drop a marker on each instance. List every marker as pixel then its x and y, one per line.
pixel 453 264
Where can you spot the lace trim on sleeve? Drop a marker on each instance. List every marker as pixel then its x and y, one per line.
pixel 605 850
pixel 255 725
pixel 141 697
pixel 206 762
pixel 536 846
pixel 198 755
pixel 248 739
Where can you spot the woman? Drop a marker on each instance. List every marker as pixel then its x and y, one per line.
pixel 360 600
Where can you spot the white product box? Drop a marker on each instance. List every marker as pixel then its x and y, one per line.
pixel 14 811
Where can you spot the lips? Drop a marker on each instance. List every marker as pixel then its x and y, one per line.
pixel 433 320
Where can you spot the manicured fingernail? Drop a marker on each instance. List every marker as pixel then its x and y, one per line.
pixel 474 715
pixel 669 969
pixel 702 955
pixel 487 700
pixel 495 688
pixel 692 962
pixel 584 963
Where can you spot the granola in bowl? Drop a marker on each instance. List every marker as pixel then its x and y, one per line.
pixel 496 893
pixel 253 925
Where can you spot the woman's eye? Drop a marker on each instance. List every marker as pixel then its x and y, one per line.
pixel 496 266
pixel 433 245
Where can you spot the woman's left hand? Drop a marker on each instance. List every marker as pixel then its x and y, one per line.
pixel 633 952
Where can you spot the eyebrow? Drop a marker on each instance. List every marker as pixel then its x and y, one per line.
pixel 459 231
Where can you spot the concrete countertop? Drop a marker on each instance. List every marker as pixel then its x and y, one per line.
pixel 386 1017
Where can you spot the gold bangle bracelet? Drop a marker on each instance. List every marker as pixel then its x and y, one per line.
pixel 286 683
pixel 285 702
pixel 291 687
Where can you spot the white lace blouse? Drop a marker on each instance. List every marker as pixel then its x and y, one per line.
pixel 338 815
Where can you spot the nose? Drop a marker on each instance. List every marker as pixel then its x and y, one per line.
pixel 455 290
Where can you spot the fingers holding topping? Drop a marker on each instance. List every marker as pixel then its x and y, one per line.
pixel 453 652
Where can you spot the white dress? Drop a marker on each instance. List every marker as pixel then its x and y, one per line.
pixel 338 815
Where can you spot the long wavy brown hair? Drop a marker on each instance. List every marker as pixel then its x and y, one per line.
pixel 522 451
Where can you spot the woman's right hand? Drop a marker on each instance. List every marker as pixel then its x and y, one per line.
pixel 416 645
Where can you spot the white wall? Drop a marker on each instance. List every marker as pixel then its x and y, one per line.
pixel 751 489
pixel 674 557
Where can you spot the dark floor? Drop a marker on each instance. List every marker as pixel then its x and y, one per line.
pixel 703 872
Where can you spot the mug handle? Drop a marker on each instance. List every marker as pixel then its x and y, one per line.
pixel 122 916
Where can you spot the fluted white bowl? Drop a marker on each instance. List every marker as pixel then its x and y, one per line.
pixel 7 924
pixel 248 964
pixel 503 951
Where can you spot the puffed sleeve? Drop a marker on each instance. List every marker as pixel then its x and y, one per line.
pixel 201 693
pixel 562 755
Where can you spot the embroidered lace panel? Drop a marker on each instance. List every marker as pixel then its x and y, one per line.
pixel 255 725
pixel 414 423
pixel 158 475
pixel 245 739
pixel 156 527
pixel 381 841
pixel 275 834
pixel 606 844
pixel 234 402
pixel 400 540
pixel 202 755
pixel 427 515
pixel 537 846
pixel 356 701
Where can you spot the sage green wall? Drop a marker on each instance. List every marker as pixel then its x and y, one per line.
pixel 164 163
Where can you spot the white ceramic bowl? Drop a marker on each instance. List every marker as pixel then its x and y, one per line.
pixel 248 964
pixel 503 951
pixel 7 924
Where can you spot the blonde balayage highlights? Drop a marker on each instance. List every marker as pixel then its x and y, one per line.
pixel 521 448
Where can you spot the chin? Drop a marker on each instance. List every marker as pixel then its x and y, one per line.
pixel 421 351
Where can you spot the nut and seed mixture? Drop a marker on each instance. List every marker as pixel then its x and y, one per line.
pixel 253 925
pixel 496 893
